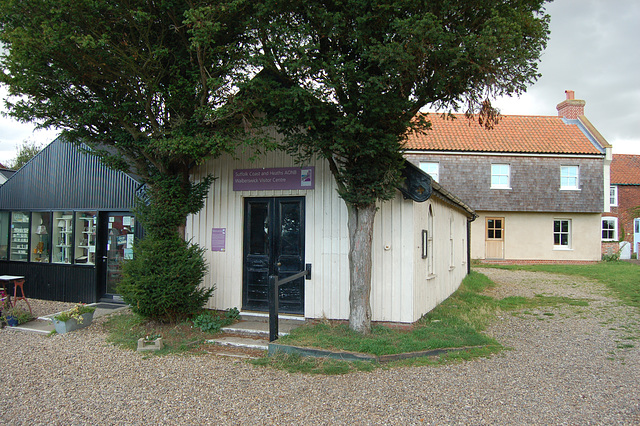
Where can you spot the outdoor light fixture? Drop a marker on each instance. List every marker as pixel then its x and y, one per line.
pixel 425 235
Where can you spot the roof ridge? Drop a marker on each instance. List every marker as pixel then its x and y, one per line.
pixel 513 134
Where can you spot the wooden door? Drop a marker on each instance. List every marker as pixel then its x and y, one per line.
pixel 495 238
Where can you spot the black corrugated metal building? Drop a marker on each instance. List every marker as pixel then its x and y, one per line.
pixel 66 224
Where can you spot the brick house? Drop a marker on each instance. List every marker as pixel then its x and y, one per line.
pixel 536 182
pixel 620 222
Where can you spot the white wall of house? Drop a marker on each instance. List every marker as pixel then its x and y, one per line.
pixel 530 236
pixel 402 290
pixel 433 284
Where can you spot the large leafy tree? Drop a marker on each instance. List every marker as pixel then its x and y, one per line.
pixel 25 152
pixel 129 79
pixel 344 79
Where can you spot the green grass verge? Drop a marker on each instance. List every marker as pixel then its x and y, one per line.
pixel 126 328
pixel 456 323
pixel 622 278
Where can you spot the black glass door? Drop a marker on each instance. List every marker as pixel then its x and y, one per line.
pixel 273 245
pixel 117 239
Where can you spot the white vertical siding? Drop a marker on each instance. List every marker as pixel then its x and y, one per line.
pixel 400 291
pixel 393 257
pixel 446 278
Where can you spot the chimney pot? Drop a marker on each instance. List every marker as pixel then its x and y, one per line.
pixel 570 108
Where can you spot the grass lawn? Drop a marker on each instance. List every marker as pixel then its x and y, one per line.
pixel 184 337
pixel 622 278
pixel 458 322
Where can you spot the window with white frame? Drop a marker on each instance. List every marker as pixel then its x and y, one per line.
pixel 613 195
pixel 609 229
pixel 432 168
pixel 500 176
pixel 562 233
pixel 569 177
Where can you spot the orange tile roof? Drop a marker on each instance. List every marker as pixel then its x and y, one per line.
pixel 625 169
pixel 514 133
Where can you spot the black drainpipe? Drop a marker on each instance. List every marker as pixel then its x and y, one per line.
pixel 469 243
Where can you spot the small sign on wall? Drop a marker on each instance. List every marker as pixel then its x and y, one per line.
pixel 218 239
pixel 282 178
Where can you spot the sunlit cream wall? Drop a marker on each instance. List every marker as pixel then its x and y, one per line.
pixel 529 236
pixel 401 289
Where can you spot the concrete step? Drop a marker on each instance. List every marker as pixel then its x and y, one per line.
pixel 252 331
pixel 259 328
pixel 256 324
pixel 241 342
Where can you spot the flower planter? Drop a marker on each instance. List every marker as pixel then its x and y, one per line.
pixel 12 321
pixel 71 324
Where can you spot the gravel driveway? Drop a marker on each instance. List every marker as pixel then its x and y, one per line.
pixel 571 367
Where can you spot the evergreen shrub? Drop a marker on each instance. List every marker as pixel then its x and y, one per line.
pixel 162 281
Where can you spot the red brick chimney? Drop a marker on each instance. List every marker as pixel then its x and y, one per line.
pixel 570 108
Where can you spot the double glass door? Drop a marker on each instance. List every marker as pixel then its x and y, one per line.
pixel 273 245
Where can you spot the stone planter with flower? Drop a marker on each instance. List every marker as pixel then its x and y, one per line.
pixel 15 316
pixel 78 317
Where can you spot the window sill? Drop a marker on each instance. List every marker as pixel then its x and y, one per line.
pixel 570 189
pixel 501 187
pixel 562 248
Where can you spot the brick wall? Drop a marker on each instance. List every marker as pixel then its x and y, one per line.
pixel 628 198
pixel 535 182
pixel 610 247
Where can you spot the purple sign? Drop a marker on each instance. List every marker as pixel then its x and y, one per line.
pixel 218 239
pixel 273 179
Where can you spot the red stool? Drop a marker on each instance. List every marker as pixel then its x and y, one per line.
pixel 18 282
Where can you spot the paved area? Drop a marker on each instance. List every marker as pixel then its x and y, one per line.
pixel 570 365
pixel 42 324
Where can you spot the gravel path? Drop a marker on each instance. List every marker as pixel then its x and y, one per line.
pixel 565 368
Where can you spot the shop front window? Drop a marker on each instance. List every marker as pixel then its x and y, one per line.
pixel 40 236
pixel 86 226
pixel 19 236
pixel 4 235
pixel 62 237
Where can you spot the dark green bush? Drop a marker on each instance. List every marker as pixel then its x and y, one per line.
pixel 212 322
pixel 162 281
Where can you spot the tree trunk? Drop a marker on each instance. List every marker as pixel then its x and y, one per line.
pixel 360 225
pixel 182 230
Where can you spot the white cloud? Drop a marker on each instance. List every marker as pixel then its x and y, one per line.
pixel 593 50
pixel 13 133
